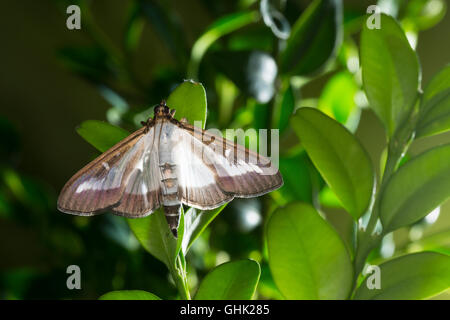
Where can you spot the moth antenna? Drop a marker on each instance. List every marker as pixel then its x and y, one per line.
pixel 162 103
pixel 172 113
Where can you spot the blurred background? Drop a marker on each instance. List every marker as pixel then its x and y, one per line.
pixel 128 56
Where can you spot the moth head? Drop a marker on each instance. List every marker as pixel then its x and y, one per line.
pixel 162 109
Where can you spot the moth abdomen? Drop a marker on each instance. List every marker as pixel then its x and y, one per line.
pixel 172 214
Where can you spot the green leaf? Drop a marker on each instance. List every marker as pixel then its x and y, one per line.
pixel 235 280
pixel 314 38
pixel 413 276
pixel 218 29
pixel 327 198
pixel 416 188
pixel 307 258
pixel 129 295
pixel 424 14
pixel 284 107
pixel 337 100
pixel 133 29
pixel 195 222
pixel 299 177
pixel 390 72
pixel 339 157
pixel 155 236
pixel 101 135
pixel 435 107
pixel 189 101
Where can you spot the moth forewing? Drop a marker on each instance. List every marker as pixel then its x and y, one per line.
pixel 99 185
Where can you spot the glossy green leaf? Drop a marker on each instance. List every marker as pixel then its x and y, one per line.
pixel 218 29
pixel 195 222
pixel 416 188
pixel 314 38
pixel 235 280
pixel 129 295
pixel 284 108
pixel 339 157
pixel 155 236
pixel 413 276
pixel 390 72
pixel 327 198
pixel 435 107
pixel 189 101
pixel 101 135
pixel 307 258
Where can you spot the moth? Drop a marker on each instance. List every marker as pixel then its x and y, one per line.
pixel 167 163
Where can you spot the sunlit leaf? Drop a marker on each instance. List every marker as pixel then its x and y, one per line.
pixel 129 295
pixel 416 188
pixel 328 198
pixel 195 222
pixel 235 280
pixel 307 258
pixel 424 14
pixel 390 72
pixel 155 236
pixel 339 157
pixel 189 101
pixel 101 135
pixel 435 107
pixel 338 100
pixel 414 276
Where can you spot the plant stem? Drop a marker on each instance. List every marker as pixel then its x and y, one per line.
pixel 179 275
pixel 367 240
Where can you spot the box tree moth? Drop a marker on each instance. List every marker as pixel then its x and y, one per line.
pixel 167 163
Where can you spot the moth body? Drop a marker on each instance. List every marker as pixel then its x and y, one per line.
pixel 169 181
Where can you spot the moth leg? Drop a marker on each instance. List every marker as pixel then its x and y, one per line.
pixel 147 124
pixel 184 121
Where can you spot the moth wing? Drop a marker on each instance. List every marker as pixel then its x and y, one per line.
pixel 105 182
pixel 213 170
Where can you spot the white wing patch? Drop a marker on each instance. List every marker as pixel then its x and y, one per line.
pixel 192 172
